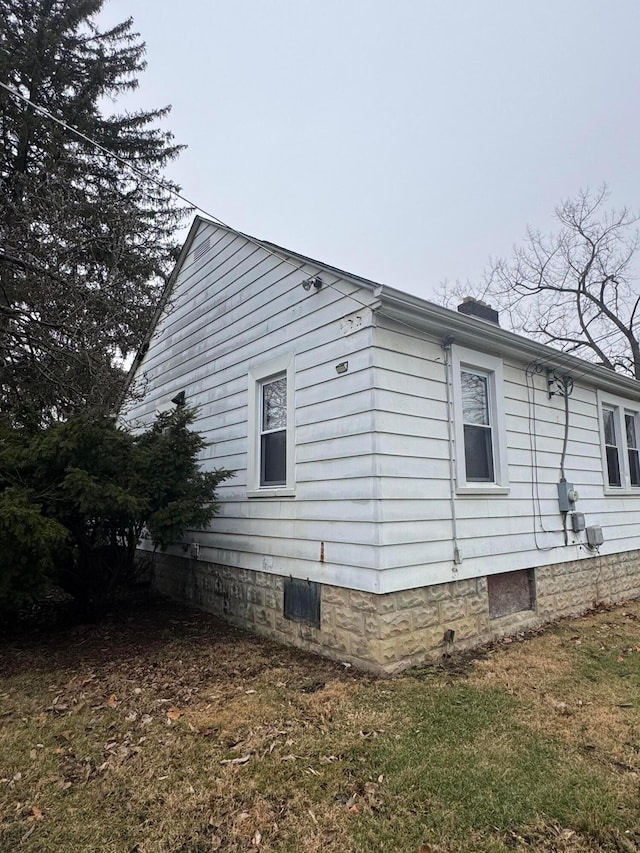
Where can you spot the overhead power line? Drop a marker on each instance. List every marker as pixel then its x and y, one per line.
pixel 166 187
pixel 216 219
pixel 126 163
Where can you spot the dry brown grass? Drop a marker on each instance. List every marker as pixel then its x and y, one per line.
pixel 162 730
pixel 145 735
pixel 561 681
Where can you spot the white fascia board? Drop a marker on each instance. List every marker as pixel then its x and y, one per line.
pixel 485 336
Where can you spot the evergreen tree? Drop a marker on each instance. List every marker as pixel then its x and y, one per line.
pixel 85 244
pixel 76 496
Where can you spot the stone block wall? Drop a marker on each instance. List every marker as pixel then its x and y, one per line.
pixel 390 632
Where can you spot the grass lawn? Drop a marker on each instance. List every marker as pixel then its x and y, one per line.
pixel 163 730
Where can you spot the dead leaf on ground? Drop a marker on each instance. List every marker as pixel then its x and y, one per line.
pixel 36 814
pixel 242 760
pixel 174 713
pixel 112 701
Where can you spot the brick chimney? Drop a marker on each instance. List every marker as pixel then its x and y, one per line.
pixel 477 308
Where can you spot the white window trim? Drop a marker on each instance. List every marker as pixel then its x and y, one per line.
pixel 620 407
pixel 492 367
pixel 258 373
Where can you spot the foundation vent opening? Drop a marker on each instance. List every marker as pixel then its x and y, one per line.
pixel 302 601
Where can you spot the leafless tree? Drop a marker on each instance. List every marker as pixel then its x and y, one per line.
pixel 575 289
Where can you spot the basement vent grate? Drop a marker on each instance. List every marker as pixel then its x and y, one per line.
pixel 302 601
pixel 201 248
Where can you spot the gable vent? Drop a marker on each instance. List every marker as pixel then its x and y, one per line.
pixel 201 248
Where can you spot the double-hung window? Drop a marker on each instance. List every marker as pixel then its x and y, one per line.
pixel 270 423
pixel 630 420
pixel 273 431
pixel 611 427
pixel 620 444
pixel 480 435
pixel 477 428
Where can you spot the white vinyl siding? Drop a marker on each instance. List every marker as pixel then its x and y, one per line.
pixel 369 496
pixel 238 310
pixel 500 528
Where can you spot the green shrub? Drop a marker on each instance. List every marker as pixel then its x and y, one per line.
pixel 81 492
pixel 28 543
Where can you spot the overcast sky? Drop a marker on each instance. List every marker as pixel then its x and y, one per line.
pixel 404 141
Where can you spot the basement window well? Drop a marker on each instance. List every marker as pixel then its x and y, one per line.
pixel 511 592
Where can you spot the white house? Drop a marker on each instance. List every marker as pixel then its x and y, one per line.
pixel 409 479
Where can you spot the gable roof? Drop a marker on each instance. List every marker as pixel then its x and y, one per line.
pixel 420 315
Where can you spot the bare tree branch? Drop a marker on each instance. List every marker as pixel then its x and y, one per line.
pixel 575 289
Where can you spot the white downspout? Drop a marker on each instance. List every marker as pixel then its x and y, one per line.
pixel 446 347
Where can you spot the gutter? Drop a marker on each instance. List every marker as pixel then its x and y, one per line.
pixel 421 315
pixel 487 337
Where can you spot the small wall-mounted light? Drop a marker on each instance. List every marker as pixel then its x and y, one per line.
pixel 180 399
pixel 342 367
pixel 314 281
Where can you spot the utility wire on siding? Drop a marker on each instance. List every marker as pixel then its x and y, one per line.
pixel 531 371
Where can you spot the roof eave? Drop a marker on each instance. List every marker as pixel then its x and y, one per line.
pixel 483 335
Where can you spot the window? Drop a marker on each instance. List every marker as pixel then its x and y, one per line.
pixel 632 448
pixel 480 434
pixel 270 457
pixel 478 441
pixel 611 446
pixel 621 451
pixel 273 432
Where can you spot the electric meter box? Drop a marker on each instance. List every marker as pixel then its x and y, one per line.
pixel 567 496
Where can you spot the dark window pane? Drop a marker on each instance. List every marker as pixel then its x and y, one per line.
pixel 634 467
pixel 613 466
pixel 478 454
pixel 475 398
pixel 273 459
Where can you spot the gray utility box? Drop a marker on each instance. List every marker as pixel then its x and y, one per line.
pixel 594 536
pixel 567 496
pixel 577 521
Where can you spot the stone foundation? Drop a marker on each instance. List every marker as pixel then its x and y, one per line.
pixel 388 633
